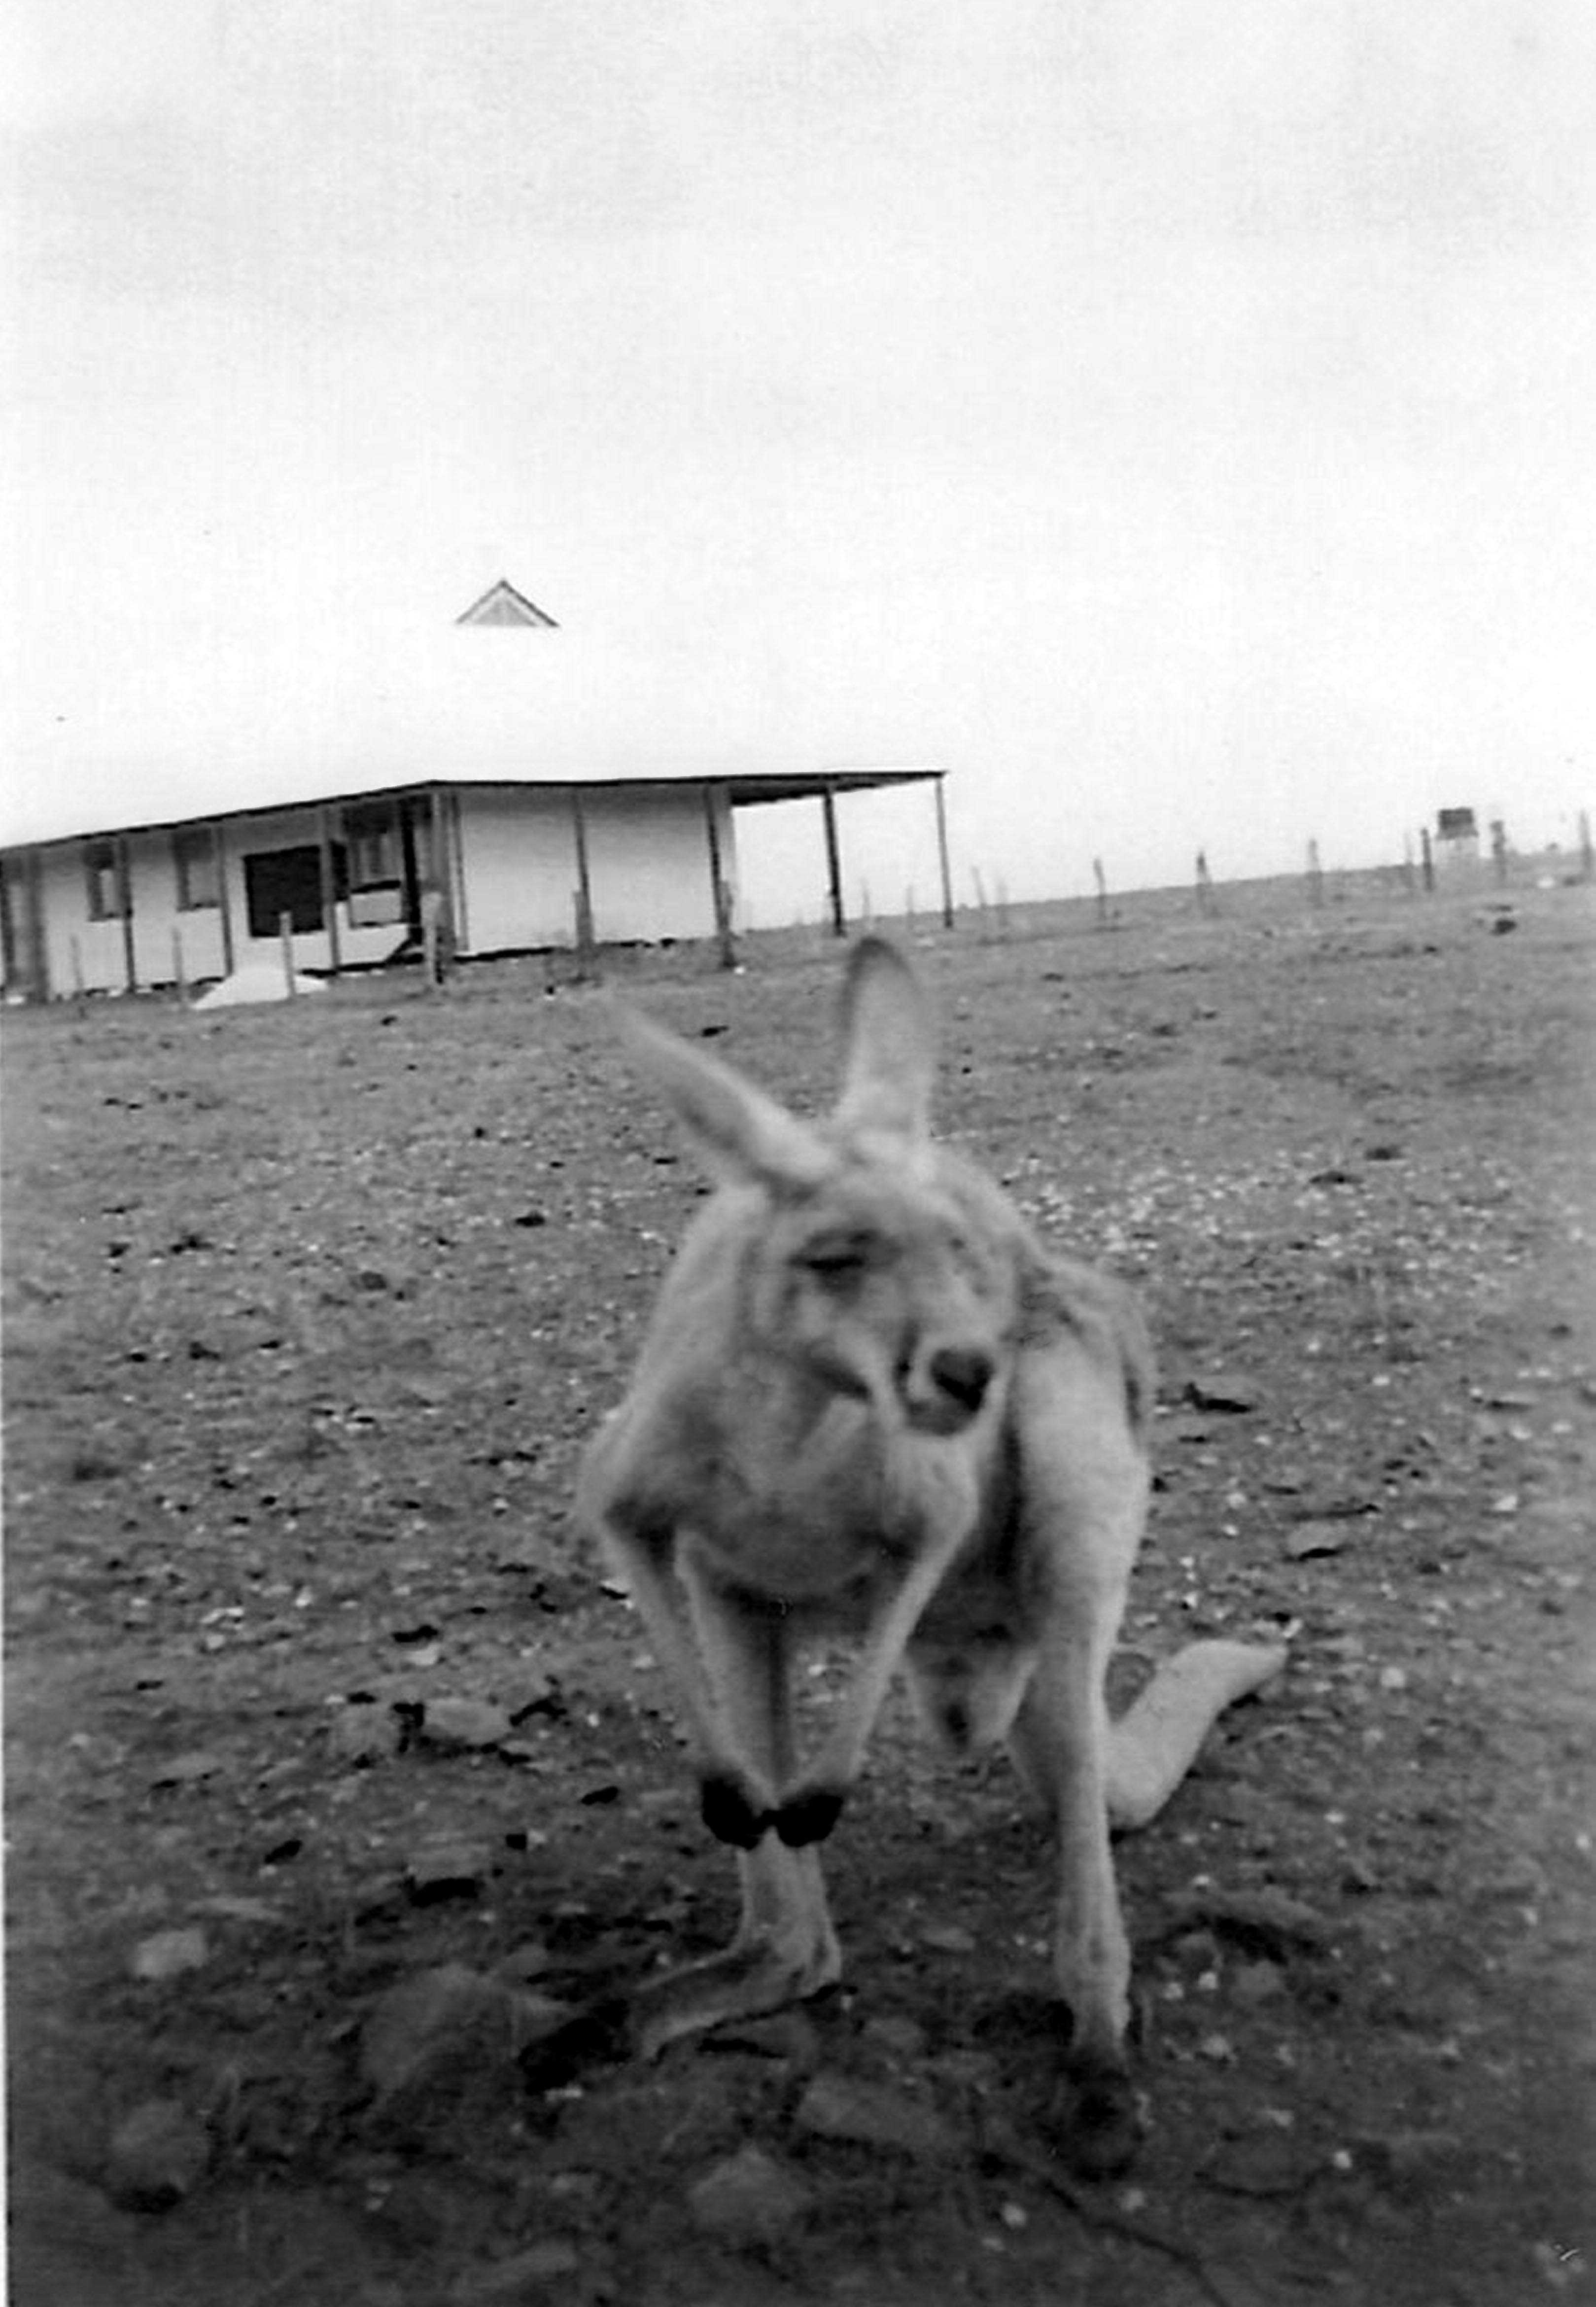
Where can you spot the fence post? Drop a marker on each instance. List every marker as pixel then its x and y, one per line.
pixel 1587 853
pixel 1427 864
pixel 1315 876
pixel 1498 851
pixel 285 932
pixel 432 938
pixel 1205 885
pixel 1100 877
pixel 179 976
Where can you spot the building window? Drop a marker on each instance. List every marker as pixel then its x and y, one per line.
pixel 199 880
pixel 278 882
pixel 103 880
pixel 372 838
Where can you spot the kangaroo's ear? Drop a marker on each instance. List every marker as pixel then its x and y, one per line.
pixel 741 1135
pixel 889 1044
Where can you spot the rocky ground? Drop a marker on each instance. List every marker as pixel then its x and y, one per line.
pixel 344 1801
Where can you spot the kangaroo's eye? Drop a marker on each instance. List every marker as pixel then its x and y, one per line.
pixel 834 1262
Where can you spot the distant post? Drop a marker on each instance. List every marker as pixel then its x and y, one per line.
pixel 432 938
pixel 980 896
pixel 1315 876
pixel 1101 879
pixel 1427 861
pixel 285 931
pixel 1498 851
pixel 179 975
pixel 1587 853
pixel 1205 884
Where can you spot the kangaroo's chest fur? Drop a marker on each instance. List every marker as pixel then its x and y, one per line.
pixel 815 1512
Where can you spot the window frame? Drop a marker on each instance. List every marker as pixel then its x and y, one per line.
pixel 193 844
pixel 104 892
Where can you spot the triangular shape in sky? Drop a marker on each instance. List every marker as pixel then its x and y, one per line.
pixel 501 605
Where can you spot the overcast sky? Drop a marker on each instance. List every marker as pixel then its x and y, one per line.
pixel 1179 420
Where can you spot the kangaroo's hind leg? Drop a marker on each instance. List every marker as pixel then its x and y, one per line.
pixel 1083 1483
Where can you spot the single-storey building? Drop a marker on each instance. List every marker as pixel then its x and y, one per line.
pixel 505 863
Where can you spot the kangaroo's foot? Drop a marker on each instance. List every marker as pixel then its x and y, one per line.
pixel 747 1981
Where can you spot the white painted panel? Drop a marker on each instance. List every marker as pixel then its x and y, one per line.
pixel 649 864
pixel 517 871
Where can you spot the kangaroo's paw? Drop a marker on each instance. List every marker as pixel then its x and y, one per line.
pixel 745 1981
pixel 808 1813
pixel 732 1810
pixel 1095 2121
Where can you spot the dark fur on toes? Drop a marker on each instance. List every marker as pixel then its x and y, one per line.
pixel 810 1816
pixel 1097 2123
pixel 726 1810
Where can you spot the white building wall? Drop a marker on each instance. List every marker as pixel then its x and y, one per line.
pixel 513 882
pixel 515 873
pixel 100 953
pixel 649 864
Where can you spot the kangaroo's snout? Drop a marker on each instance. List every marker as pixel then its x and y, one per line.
pixel 962 1373
pixel 944 1389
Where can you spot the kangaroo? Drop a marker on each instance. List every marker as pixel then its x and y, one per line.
pixel 872 1401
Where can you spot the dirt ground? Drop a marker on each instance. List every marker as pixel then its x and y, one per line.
pixel 343 1800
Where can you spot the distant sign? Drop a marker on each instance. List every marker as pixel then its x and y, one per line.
pixel 1456 825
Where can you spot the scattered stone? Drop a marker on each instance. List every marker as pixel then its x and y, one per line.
pixel 947 1938
pixel 509 2282
pixel 235 1907
pixel 1403 2161
pixel 462 1726
pixel 169 1954
pixel 364 1732
pixel 786 2034
pixel 1222 1390
pixel 1257 1982
pixel 446 2024
pixel 524 1962
pixel 446 1869
pixel 1314 1538
pixel 871 2114
pixel 750 2199
pixel 903 2036
pixel 158 2154
pixel 188 1769
pixel 536 1691
pixel 1273 2163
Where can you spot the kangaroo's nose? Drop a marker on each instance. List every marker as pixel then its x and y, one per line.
pixel 962 1373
